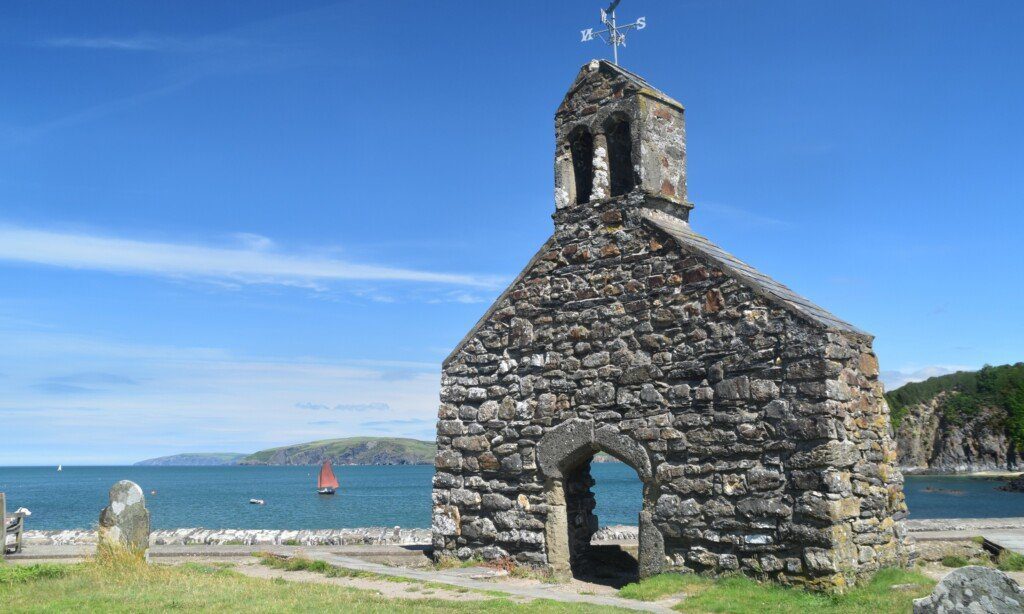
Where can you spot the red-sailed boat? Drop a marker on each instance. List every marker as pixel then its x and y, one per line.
pixel 326 483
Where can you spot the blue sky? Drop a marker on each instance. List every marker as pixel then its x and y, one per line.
pixel 226 226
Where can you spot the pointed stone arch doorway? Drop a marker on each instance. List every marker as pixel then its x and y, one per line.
pixel 563 456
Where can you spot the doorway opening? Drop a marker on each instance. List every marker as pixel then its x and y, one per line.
pixel 601 557
pixel 565 456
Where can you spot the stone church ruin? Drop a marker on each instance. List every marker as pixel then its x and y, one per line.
pixel 753 418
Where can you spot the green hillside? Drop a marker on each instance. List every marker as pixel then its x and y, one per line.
pixel 195 459
pixel 968 392
pixel 348 451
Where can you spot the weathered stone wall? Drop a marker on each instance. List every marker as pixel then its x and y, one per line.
pixel 760 433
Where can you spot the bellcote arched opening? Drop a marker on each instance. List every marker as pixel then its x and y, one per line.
pixel 620 156
pixel 581 148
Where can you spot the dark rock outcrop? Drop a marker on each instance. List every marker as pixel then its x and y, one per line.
pixel 930 441
pixel 1014 485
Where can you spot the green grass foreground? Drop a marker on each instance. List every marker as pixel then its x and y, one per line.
pixel 122 582
pixel 738 594
pixel 133 586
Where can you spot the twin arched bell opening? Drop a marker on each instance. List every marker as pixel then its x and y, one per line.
pixel 610 152
pixel 615 136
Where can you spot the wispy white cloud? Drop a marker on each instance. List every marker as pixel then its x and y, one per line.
pixel 256 262
pixel 741 215
pixel 253 241
pixel 82 383
pixel 123 402
pixel 380 407
pixel 895 378
pixel 145 42
pixel 460 296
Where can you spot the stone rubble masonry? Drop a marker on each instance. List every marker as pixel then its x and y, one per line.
pixel 754 418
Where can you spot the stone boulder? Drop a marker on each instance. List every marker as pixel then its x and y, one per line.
pixel 125 521
pixel 974 590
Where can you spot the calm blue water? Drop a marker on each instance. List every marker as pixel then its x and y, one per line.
pixel 218 497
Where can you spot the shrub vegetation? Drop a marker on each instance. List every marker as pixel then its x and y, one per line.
pixel 965 393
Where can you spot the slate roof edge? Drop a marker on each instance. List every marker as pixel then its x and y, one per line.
pixel 759 282
pixel 501 297
pixel 646 89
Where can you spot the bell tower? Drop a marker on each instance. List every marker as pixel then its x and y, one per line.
pixel 618 137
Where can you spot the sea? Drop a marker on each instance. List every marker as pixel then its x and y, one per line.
pixel 218 497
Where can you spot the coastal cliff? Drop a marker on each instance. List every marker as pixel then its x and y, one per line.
pixel 961 423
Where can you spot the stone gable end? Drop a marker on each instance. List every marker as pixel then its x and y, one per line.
pixel 754 419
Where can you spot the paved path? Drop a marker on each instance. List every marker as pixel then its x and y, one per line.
pixel 1000 533
pixel 1008 540
pixel 463 578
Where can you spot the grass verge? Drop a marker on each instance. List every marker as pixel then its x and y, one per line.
pixel 1010 561
pixel 954 560
pixel 125 585
pixel 738 594
pixel 661 586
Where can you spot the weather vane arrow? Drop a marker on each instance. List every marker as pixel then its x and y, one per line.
pixel 613 34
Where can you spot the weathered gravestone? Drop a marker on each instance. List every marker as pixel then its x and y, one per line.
pixel 125 521
pixel 973 590
pixel 3 525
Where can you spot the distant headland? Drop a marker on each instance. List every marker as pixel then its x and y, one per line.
pixel 345 451
pixel 195 459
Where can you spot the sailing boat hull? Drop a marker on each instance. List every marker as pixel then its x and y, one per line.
pixel 325 491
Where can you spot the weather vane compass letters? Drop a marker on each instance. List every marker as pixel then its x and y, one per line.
pixel 616 34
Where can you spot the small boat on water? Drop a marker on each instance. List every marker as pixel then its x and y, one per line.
pixel 60 467
pixel 326 483
pixel 257 501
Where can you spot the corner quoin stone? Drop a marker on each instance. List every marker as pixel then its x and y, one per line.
pixel 125 520
pixel 753 417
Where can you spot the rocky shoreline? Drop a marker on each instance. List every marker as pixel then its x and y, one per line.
pixel 394 536
pixel 397 536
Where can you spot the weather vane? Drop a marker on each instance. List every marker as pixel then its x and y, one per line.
pixel 616 33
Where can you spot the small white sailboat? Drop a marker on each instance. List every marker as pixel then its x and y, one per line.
pixel 60 468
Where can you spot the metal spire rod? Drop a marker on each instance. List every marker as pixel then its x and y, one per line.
pixel 616 33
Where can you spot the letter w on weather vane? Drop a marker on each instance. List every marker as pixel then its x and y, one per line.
pixel 613 34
